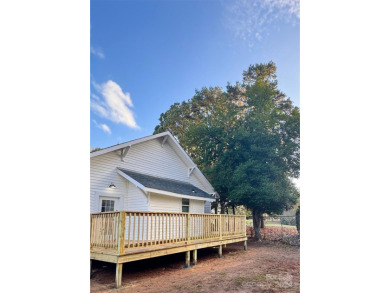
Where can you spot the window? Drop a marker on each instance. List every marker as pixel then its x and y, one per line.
pixel 185 205
pixel 107 205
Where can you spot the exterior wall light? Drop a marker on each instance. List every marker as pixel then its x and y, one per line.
pixel 112 185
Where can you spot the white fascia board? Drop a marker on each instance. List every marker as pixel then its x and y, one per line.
pixel 135 182
pixel 127 144
pixel 163 192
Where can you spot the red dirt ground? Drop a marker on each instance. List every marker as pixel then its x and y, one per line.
pixel 266 267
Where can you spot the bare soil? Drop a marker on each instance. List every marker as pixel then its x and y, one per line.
pixel 267 266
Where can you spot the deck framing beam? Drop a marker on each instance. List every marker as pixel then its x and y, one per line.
pixel 166 251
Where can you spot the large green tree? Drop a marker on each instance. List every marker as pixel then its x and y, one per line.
pixel 246 140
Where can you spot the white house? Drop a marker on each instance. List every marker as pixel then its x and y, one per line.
pixel 152 173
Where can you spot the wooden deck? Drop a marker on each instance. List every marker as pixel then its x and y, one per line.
pixel 120 237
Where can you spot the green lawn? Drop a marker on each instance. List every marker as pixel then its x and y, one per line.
pixel 249 222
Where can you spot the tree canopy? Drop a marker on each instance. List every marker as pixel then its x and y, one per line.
pixel 246 140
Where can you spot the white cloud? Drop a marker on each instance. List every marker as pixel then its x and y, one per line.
pixel 249 19
pixel 98 52
pixel 95 97
pixel 103 127
pixel 115 104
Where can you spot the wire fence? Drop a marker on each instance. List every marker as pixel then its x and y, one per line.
pixel 275 228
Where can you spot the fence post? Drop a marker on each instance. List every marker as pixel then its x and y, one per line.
pixel 121 232
pixel 188 227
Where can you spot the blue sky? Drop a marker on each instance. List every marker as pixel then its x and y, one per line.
pixel 146 55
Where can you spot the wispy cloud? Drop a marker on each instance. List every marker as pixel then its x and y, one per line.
pixel 103 127
pixel 249 19
pixel 114 105
pixel 98 52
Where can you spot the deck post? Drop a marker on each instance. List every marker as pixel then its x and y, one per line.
pixel 245 245
pixel 188 256
pixel 90 267
pixel 244 225
pixel 90 231
pixel 121 232
pixel 188 228
pixel 118 275
pixel 220 251
pixel 220 227
pixel 195 256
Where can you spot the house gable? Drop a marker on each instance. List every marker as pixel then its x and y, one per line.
pixel 164 138
pixel 158 157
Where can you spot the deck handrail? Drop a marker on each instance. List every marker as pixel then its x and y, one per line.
pixel 152 212
pixel 123 230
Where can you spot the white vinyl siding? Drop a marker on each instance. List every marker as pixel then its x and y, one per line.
pixel 196 206
pixel 149 158
pixel 135 200
pixel 207 207
pixel 163 203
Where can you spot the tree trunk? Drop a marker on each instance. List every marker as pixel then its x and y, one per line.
pixel 234 209
pixel 222 207
pixel 256 224
pixel 262 221
pixel 298 219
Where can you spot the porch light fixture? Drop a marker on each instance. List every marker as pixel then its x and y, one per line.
pixel 112 185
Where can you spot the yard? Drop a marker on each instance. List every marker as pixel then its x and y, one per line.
pixel 268 266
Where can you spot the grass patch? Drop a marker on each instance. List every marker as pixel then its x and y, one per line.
pixel 249 222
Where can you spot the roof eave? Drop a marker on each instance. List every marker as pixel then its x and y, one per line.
pixel 126 144
pixel 159 191
pixel 173 194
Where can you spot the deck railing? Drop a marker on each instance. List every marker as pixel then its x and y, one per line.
pixel 132 229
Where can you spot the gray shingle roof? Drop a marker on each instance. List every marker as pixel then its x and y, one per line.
pixel 167 184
